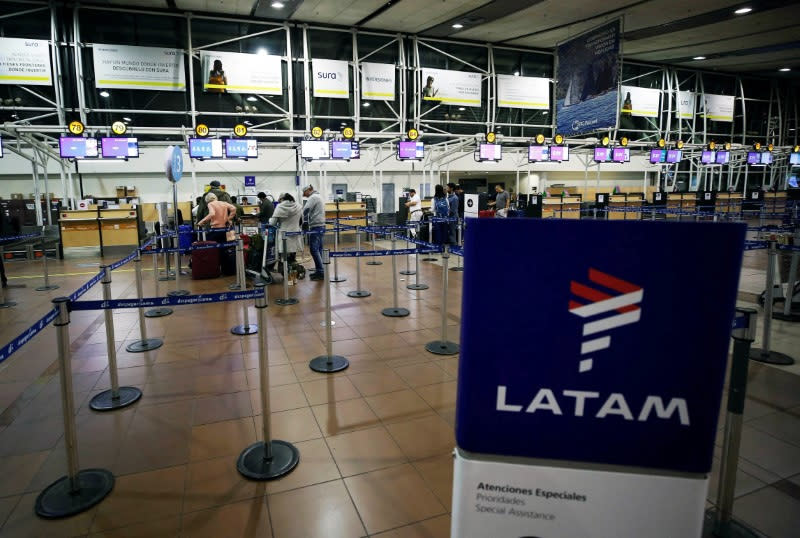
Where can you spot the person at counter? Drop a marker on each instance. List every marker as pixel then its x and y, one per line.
pixel 500 202
pixel 454 202
pixel 216 190
pixel 239 209
pixel 220 215
pixel 265 208
pixel 414 206
pixel 314 215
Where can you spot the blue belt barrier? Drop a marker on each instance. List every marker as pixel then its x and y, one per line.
pixel 755 245
pixel 80 292
pixel 9 349
pixel 193 247
pixel 417 241
pixel 164 301
pixel 369 253
pixel 458 251
pixel 740 322
pixel 793 248
pixel 18 237
pixel 117 264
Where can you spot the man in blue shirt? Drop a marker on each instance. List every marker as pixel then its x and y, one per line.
pixel 452 199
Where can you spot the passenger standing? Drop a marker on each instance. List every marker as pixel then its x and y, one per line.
pixel 216 190
pixel 287 218
pixel 314 215
pixel 220 215
pixel 452 199
pixel 500 202
pixel 441 208
pixel 265 208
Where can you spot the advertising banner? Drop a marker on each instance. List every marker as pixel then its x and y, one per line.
pixel 331 78
pixel 463 88
pixel 686 105
pixel 377 81
pixel 523 92
pixel 138 68
pixel 641 102
pixel 588 79
pixel 25 62
pixel 471 206
pixel 236 72
pixel 718 107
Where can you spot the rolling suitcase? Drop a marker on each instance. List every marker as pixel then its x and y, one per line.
pixel 486 214
pixel 227 261
pixel 205 262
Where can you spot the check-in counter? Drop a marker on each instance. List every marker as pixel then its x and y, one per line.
pixel 79 228
pixel 729 202
pixel 617 203
pixel 347 209
pixel 119 227
pixel 566 207
pixel 100 228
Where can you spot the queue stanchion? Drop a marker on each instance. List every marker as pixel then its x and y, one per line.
pixel 168 272
pixel 328 363
pixel 358 293
pixel 719 520
pixel 416 285
pixel 460 243
pixel 117 397
pixel 238 285
pixel 336 277
pixel 286 301
pixel 443 346
pixel 46 286
pixel 245 328
pixel 374 260
pixel 764 354
pixel 430 240
pixel 160 311
pixel 3 302
pixel 177 292
pixel 408 270
pixel 144 343
pixel 270 458
pixel 788 314
pixel 395 311
pixel 79 490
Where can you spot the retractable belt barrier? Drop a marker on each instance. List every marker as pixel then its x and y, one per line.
pixel 205 298
pixel 9 349
pixel 193 247
pixel 10 238
pixel 396 252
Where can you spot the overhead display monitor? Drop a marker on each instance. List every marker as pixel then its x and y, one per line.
pixel 753 157
pixel 77 147
pixel 205 148
pixel 410 149
pixel 621 155
pixel 723 157
pixel 241 148
pixel 658 156
pixel 559 153
pixel 674 156
pixel 490 152
pixel 315 149
pixel 538 154
pixel 794 158
pixel 792 182
pixel 708 156
pixel 119 148
pixel 345 149
pixel 602 154
pixel 766 157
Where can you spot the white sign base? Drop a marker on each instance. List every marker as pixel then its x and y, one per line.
pixel 471 206
pixel 513 500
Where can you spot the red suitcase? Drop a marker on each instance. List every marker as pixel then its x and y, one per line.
pixel 486 214
pixel 205 262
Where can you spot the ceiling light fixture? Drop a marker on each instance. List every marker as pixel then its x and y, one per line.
pixel 105 94
pixel 743 10
pixel 516 73
pixel 252 98
pixel 126 119
pixel 365 104
pixel 785 69
pixel 461 109
pixel 699 58
pixel 277 5
pixel 262 51
pixel 458 26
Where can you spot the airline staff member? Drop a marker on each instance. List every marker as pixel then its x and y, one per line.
pixel 414 206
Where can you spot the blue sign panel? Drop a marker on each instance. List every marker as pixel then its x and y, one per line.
pixel 588 81
pixel 599 343
pixel 249 181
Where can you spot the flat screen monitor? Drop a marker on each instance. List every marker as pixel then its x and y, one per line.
pixel 205 148
pixel 241 148
pixel 559 153
pixel 315 149
pixel 491 152
pixel 345 149
pixel 77 147
pixel 792 182
pixel 410 149
pixel 538 154
pixel 602 155
pixel 674 155
pixel 658 156
pixel 621 155
pixel 794 158
pixel 119 148
pixel 753 157
pixel 766 157
pixel 708 156
pixel 723 157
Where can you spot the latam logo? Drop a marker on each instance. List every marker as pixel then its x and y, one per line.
pixel 619 308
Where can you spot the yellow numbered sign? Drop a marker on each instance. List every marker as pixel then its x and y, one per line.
pixel 623 141
pixel 558 139
pixel 201 129
pixel 605 140
pixel 413 134
pixel 119 128
pixel 76 127
pixel 240 129
pixel 540 138
pixel 491 137
pixel 662 143
pixel 316 132
pixel 348 132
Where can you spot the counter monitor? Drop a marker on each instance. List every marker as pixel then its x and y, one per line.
pixel 410 149
pixel 77 147
pixel 241 148
pixel 753 157
pixel 345 149
pixel 315 150
pixel 658 156
pixel 490 152
pixel 794 158
pixel 708 156
pixel 602 154
pixel 674 155
pixel 205 148
pixel 766 157
pixel 119 148
pixel 723 157
pixel 538 154
pixel 621 155
pixel 559 153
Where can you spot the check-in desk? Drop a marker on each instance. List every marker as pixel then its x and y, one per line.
pixel 729 202
pixel 683 204
pixel 79 228
pixel 562 207
pixel 346 209
pixel 118 227
pixel 100 228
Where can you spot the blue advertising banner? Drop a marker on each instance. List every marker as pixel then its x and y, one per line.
pixel 587 81
pixel 600 345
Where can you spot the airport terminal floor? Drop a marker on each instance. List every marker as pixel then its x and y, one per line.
pixel 376 439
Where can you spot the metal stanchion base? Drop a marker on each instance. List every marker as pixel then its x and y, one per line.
pixel 166 278
pixel 158 313
pixel 177 293
pixel 429 259
pixel 8 304
pixel 440 347
pixel 58 500
pixel 733 529
pixel 324 324
pixel 793 316
pixel 417 286
pixel 286 302
pixel 459 269
pixel 253 464
pixel 395 312
pixel 338 279
pixel 358 294
pixel 374 262
pixel 327 364
pixel 106 402
pixel 407 272
pixel 234 287
pixel 243 330
pixel 771 357
pixel 140 346
pixel 46 288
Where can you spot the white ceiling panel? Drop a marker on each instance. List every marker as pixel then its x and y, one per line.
pixel 229 7
pixel 413 16
pixel 159 4
pixel 754 62
pixel 341 12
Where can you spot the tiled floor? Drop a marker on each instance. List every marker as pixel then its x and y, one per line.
pixel 375 440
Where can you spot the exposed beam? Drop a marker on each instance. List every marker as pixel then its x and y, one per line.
pixel 384 7
pixel 481 15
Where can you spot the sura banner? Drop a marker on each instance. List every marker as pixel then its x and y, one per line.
pixel 718 107
pixel 462 88
pixel 237 72
pixel 25 62
pixel 331 78
pixel 138 68
pixel 377 81
pixel 686 105
pixel 587 81
pixel 523 92
pixel 642 102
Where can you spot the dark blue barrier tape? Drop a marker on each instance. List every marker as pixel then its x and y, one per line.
pixel 164 301
pixel 739 322
pixel 9 349
pixel 458 251
pixel 344 218
pixel 416 241
pixel 793 248
pixel 129 258
pixel 18 237
pixel 147 243
pixel 369 253
pixel 193 247
pixel 755 245
pixel 80 292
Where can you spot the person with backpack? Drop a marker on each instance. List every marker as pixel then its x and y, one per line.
pixel 287 217
pixel 216 190
pixel 441 209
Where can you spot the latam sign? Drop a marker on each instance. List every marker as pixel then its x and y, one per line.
pixel 600 345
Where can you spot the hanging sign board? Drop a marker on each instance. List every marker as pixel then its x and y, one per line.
pixel 331 78
pixel 686 105
pixel 718 107
pixel 523 92
pixel 25 62
pixel 173 163
pixel 377 81
pixel 448 87
pixel 471 206
pixel 641 102
pixel 138 68
pixel 236 72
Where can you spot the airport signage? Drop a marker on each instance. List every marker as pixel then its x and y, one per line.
pixel 523 92
pixel 463 88
pixel 686 105
pixel 377 81
pixel 331 78
pixel 138 68
pixel 25 62
pixel 237 72
pixel 644 102
pixel 718 107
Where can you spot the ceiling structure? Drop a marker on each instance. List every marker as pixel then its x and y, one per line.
pixel 674 32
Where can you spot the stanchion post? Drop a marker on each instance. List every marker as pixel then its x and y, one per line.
pixel 408 270
pixel 416 285
pixel 430 240
pixel 3 302
pixel 178 292
pixel 443 346
pixel 394 311
pixel 46 286
pixel 161 311
pixel 765 354
pixel 246 328
pixel 286 301
pixel 79 490
pixel 144 343
pixel 374 260
pixel 336 277
pixel 239 285
pixel 328 363
pixel 358 293
pixel 788 314
pixel 459 226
